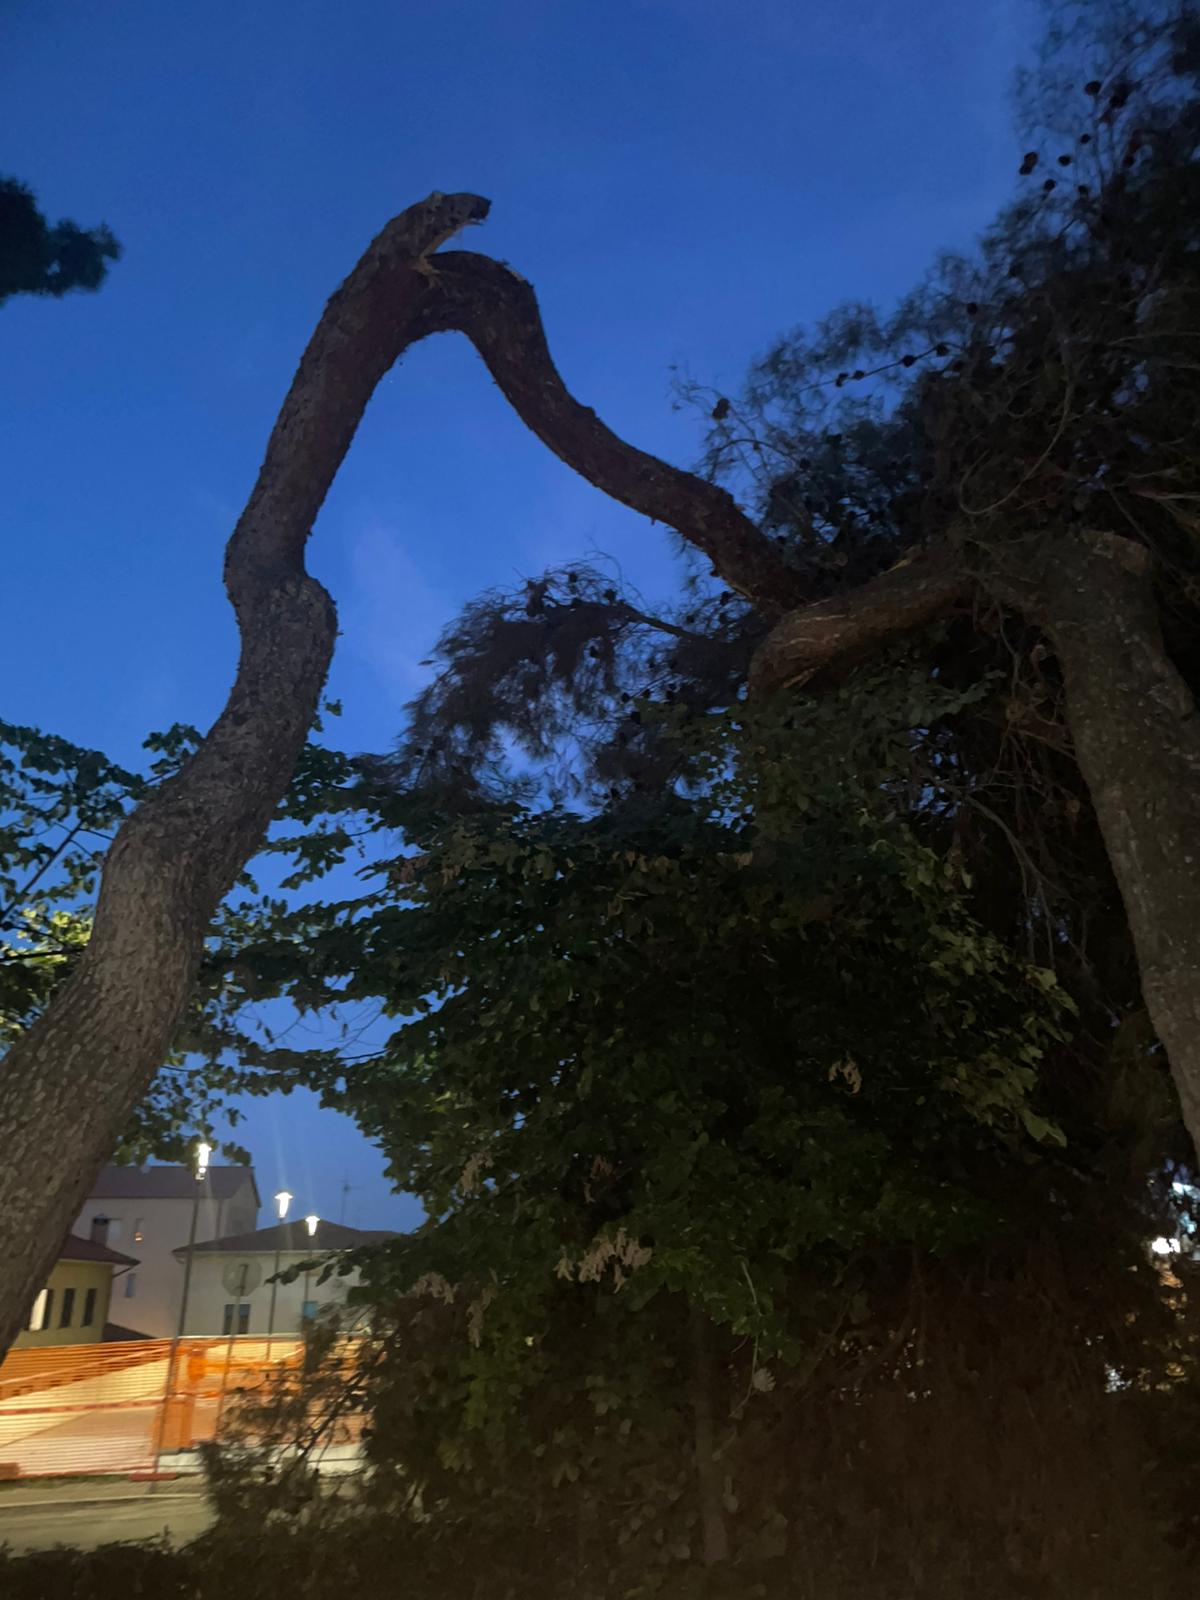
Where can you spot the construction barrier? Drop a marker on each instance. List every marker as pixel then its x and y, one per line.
pixel 105 1408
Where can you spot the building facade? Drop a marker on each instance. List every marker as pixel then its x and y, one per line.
pixel 73 1308
pixel 148 1212
pixel 230 1290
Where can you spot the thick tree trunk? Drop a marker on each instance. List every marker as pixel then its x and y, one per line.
pixel 68 1087
pixel 714 1536
pixel 1137 739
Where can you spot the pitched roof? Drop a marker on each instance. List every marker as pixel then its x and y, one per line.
pixel 169 1183
pixel 76 1249
pixel 117 1333
pixel 293 1238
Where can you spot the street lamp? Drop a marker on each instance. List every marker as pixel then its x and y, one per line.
pixel 310 1222
pixel 199 1164
pixel 282 1201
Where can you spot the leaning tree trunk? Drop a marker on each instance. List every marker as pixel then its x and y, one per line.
pixel 69 1086
pixel 1137 739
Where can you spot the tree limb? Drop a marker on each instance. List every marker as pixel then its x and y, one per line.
pixel 908 595
pixel 498 312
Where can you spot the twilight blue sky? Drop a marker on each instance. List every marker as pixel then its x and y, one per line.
pixel 680 179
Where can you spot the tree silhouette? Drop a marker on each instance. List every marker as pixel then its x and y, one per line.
pixel 37 257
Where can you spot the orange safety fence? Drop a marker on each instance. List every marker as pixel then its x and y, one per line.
pixel 105 1408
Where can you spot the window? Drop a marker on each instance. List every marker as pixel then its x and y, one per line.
pixel 47 1310
pixel 37 1316
pixel 243 1319
pixel 308 1310
pixel 68 1308
pixel 106 1230
pixel 89 1309
pixel 130 1285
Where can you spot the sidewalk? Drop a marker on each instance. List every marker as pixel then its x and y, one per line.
pixel 96 1511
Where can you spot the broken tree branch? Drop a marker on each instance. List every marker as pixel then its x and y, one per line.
pixel 498 312
pixel 847 627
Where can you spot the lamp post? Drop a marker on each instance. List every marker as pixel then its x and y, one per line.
pixel 310 1222
pixel 200 1158
pixel 282 1201
pixel 240 1289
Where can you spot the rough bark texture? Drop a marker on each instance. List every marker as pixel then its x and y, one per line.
pixel 1137 739
pixel 69 1086
pixel 908 595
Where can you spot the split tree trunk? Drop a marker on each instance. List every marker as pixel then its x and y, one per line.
pixel 69 1086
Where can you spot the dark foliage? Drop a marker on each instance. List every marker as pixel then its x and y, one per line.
pixel 39 257
pixel 1045 381
pixel 544 689
pixel 747 1054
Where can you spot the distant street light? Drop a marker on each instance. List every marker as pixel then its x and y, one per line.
pixel 282 1201
pixel 199 1165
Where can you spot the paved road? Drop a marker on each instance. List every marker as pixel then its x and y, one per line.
pixel 37 1516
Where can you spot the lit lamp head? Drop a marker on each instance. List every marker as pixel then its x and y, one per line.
pixel 282 1201
pixel 200 1164
pixel 310 1222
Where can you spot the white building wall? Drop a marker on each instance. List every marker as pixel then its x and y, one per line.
pixel 208 1296
pixel 147 1298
